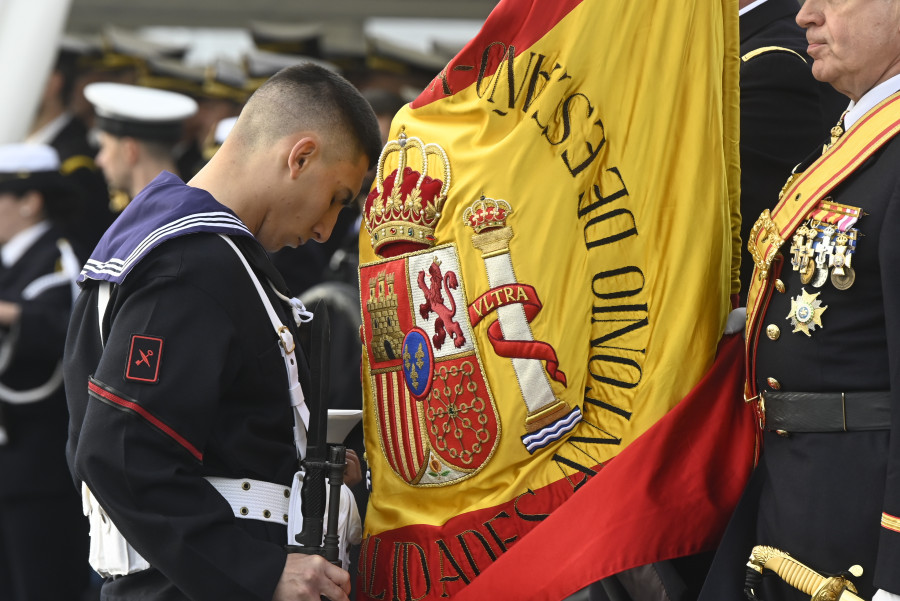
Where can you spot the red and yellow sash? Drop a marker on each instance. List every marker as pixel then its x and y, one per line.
pixel 800 197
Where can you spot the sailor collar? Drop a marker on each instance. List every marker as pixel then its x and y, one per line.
pixel 165 209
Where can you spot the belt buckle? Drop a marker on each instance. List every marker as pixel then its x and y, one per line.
pixel 286 339
pixel 759 409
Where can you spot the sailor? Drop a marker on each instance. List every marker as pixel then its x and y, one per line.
pixel 138 130
pixel 187 383
pixel 40 511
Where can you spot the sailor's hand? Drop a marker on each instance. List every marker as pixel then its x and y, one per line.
pixel 353 469
pixel 309 577
pixel 883 595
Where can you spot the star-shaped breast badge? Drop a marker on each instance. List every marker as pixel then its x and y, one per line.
pixel 806 312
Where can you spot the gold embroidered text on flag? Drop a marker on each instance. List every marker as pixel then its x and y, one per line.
pixel 545 272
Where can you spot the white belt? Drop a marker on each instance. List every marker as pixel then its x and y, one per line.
pixel 255 499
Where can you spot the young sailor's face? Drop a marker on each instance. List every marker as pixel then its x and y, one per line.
pixel 112 161
pixel 310 208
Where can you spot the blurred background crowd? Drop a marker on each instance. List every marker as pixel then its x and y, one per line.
pixel 109 147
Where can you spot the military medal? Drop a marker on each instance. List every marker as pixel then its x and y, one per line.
pixel 802 249
pixel 806 312
pixel 824 249
pixel 824 245
pixel 820 277
pixel 842 274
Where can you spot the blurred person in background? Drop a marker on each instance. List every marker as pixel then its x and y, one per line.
pixel 43 536
pixel 57 125
pixel 139 128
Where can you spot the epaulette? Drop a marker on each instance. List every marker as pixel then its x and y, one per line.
pixel 76 162
pixel 767 49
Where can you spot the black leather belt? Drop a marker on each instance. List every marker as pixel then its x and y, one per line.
pixel 827 411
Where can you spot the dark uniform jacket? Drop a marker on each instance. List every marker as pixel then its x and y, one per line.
pixel 784 111
pixel 211 401
pixel 32 462
pixel 820 496
pixel 76 157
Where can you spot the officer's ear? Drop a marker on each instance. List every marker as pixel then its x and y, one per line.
pixel 304 150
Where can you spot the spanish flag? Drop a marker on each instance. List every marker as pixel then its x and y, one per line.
pixel 545 271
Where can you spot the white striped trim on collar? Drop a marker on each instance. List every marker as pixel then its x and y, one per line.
pixel 116 267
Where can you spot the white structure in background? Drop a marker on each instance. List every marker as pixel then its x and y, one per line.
pixel 427 42
pixel 204 45
pixel 29 32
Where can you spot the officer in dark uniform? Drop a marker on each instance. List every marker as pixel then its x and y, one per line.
pixel 784 109
pixel 181 412
pixel 823 339
pixel 56 125
pixel 42 532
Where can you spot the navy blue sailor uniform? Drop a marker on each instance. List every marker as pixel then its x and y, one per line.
pixel 826 365
pixel 39 507
pixel 187 383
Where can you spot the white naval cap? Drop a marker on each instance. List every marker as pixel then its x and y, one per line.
pixel 25 167
pixel 223 128
pixel 139 112
pixel 23 160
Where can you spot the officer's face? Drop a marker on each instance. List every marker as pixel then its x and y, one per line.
pixel 855 44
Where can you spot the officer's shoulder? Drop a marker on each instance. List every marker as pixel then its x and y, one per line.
pixel 773 52
pixel 777 65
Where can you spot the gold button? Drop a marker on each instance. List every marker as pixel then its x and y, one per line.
pixel 245 485
pixel 267 514
pixel 773 332
pixel 244 511
pixel 779 286
pixel 773 383
pixel 287 493
pixel 285 518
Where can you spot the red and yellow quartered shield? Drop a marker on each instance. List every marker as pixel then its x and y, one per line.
pixel 545 273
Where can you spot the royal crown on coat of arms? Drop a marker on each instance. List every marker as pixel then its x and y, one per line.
pixel 401 213
pixel 487 214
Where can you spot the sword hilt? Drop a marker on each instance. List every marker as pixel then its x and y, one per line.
pixel 802 577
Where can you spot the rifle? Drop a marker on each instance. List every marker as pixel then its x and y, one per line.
pixel 322 459
pixel 799 576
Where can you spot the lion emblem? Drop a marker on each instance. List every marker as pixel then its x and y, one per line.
pixel 434 302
